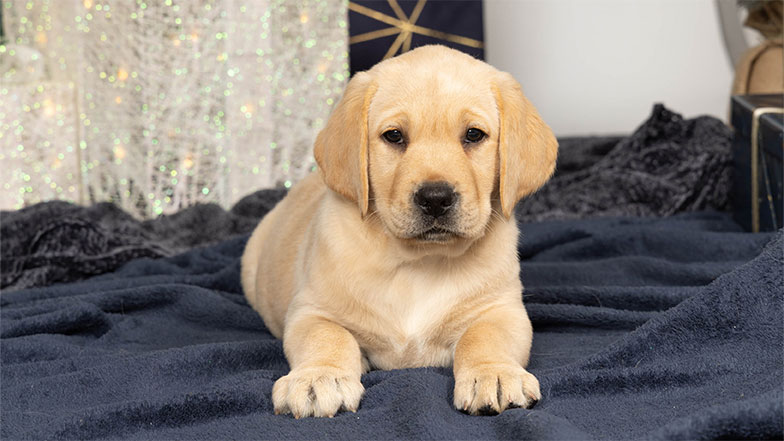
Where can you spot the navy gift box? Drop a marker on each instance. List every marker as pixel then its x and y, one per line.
pixel 382 29
pixel 757 148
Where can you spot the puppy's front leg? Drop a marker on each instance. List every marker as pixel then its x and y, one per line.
pixel 326 365
pixel 489 360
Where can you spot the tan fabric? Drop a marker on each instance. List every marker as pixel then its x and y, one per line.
pixel 761 70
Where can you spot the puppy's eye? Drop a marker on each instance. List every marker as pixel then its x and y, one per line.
pixel 393 136
pixel 474 135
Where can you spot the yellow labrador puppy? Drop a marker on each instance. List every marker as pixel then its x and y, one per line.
pixel 402 251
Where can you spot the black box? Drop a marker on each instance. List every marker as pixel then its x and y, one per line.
pixel 757 150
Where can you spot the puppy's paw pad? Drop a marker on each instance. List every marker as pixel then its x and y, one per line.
pixel 486 410
pixel 317 391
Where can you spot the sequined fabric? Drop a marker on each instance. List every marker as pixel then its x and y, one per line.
pixel 158 105
pixel 57 242
pixel 668 165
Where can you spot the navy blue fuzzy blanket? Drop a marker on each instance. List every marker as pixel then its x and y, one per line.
pixel 644 328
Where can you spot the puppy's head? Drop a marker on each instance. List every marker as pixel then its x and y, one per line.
pixel 434 141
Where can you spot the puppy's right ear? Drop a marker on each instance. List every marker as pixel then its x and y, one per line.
pixel 341 148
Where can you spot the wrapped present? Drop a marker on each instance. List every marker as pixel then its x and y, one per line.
pixel 758 145
pixel 383 29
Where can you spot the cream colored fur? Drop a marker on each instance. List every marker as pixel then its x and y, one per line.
pixel 339 269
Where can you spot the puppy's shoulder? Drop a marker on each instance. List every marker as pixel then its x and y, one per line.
pixel 311 187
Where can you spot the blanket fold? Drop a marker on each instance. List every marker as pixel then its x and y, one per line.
pixel 643 329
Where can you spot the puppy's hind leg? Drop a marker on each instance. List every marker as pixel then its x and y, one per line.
pixel 250 264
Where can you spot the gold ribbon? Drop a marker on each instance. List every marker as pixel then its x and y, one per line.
pixel 755 122
pixel 405 27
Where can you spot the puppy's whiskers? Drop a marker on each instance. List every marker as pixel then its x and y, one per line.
pixel 372 217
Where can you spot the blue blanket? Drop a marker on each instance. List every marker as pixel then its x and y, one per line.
pixel 644 328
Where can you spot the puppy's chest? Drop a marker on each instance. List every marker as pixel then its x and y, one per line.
pixel 416 321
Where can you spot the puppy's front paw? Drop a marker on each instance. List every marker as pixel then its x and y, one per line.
pixel 319 391
pixel 489 389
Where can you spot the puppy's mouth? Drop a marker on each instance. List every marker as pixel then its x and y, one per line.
pixel 437 234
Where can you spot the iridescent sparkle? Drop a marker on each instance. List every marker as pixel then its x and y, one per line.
pixel 156 105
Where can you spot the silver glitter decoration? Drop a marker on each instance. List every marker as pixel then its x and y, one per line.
pixel 160 104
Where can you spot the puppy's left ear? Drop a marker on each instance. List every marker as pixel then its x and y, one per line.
pixel 341 148
pixel 527 147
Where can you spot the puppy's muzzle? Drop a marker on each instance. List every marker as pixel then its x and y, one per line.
pixel 436 199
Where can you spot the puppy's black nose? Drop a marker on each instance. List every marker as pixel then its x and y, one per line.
pixel 435 198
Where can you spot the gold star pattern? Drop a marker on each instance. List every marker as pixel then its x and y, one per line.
pixel 405 27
